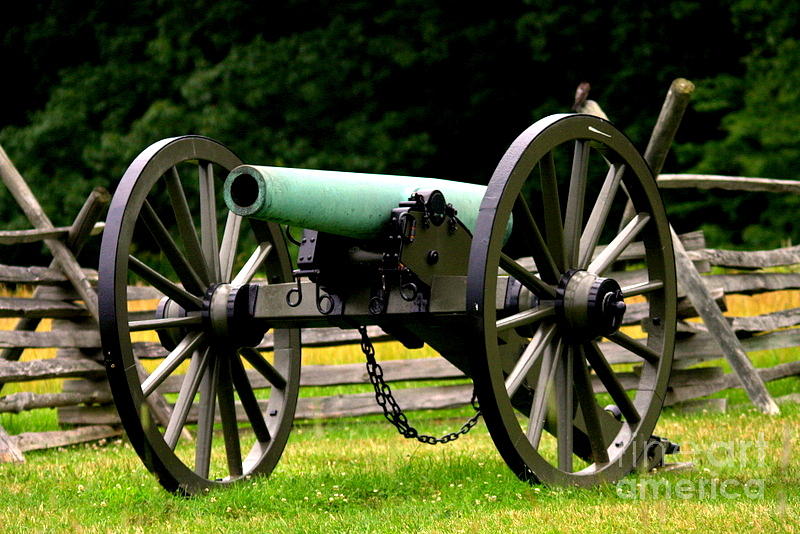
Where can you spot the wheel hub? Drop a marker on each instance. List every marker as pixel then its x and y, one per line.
pixel 589 305
pixel 228 315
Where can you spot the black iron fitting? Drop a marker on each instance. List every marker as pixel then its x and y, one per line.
pixel 244 330
pixel 606 305
pixel 596 310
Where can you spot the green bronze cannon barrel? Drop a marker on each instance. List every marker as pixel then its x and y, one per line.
pixel 344 203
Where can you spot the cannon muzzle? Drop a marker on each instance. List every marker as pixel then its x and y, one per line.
pixel 350 204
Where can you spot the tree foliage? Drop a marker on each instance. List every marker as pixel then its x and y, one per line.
pixel 410 87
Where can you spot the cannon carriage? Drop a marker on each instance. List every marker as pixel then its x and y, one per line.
pixel 514 283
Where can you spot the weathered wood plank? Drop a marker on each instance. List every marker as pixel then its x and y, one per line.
pixel 324 337
pixel 728 381
pixel 12 338
pixel 635 251
pixel 678 378
pixel 31 441
pixel 352 373
pixel 23 401
pixel 67 293
pixel 747 259
pixel 51 368
pixel 437 397
pixel 16 237
pixel 12 274
pixel 753 282
pixel 9 450
pixel 33 308
pixel 312 337
pixel 730 183
pixel 746 326
pixel 429 398
pixel 702 347
pixel 637 311
pixel 766 322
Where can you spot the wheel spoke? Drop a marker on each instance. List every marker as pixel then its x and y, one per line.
pixel 564 409
pixel 183 216
pixel 169 322
pixel 545 263
pixel 553 227
pixel 164 284
pixel 208 219
pixel 588 405
pixel 526 278
pixel 230 238
pixel 536 419
pixel 532 353
pixel 627 342
pixel 263 367
pixel 189 387
pixel 642 288
pixel 191 280
pixel 252 265
pixel 525 317
pixel 615 248
pixel 227 413
pixel 573 218
pixel 599 216
pixel 205 416
pixel 249 401
pixel 188 344
pixel 609 379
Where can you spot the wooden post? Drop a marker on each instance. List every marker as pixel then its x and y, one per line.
pixel 9 452
pixel 721 330
pixel 660 141
pixel 79 233
pixel 675 104
pixel 33 211
pixel 63 256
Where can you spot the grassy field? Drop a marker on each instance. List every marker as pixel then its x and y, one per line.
pixel 359 475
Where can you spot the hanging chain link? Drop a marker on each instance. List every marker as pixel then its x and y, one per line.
pixel 392 411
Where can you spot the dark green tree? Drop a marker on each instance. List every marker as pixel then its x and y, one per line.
pixel 410 87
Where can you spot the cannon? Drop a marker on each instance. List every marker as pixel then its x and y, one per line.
pixel 563 316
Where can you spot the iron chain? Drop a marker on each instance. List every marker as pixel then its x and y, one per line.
pixel 392 411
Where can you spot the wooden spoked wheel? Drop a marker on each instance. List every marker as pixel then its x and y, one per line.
pixel 169 236
pixel 570 398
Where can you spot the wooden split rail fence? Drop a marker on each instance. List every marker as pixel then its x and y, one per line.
pixel 85 401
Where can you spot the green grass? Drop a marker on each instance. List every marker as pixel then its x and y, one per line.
pixel 358 475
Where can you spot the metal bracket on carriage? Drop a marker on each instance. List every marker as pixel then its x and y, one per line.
pixel 657 449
